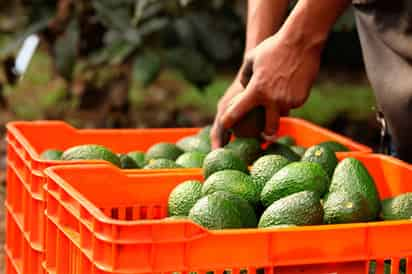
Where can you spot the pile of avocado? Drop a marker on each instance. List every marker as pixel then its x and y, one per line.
pixel 247 186
pixel 188 152
pixel 282 189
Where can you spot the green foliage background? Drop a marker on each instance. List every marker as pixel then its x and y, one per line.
pixel 146 63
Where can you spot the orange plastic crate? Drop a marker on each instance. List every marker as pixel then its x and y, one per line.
pixel 25 177
pixel 100 220
pixel 26 140
pixel 21 256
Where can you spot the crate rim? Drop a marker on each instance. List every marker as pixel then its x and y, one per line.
pixel 13 128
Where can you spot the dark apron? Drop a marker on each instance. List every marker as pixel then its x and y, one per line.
pixel 385 30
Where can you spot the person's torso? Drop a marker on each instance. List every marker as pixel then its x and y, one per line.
pixel 393 21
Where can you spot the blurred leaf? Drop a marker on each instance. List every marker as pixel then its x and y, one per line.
pixel 152 10
pixel 132 36
pixel 214 39
pixel 185 32
pixel 146 68
pixel 113 54
pixel 136 95
pixel 65 50
pixel 138 11
pixel 40 9
pixel 145 9
pixel 54 97
pixel 120 55
pixel 172 7
pixel 328 101
pixel 192 64
pixel 112 36
pixel 111 16
pixel 153 26
pixel 207 100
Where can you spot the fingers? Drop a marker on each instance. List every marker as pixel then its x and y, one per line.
pixel 240 106
pixel 218 135
pixel 271 122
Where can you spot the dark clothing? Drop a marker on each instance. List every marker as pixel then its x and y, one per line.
pixel 385 30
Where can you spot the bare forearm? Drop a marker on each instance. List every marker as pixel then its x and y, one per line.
pixel 265 17
pixel 311 20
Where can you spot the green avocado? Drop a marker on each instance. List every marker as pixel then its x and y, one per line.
pixel 293 178
pixel 90 152
pixel 302 208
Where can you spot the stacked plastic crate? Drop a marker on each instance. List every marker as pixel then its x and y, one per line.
pixel 60 219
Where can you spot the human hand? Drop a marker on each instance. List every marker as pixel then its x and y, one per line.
pixel 277 75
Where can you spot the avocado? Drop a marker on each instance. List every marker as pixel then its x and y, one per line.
pixel 183 197
pixel 302 208
pixel 163 151
pixel 161 164
pixel 51 155
pixel 138 157
pixel 293 178
pixel 223 210
pixel 397 208
pixel 334 146
pixel 343 207
pixel 247 149
pixel 90 152
pixel 352 177
pixel 265 167
pixel 283 150
pixel 194 143
pixel 232 181
pixel 126 162
pixel 251 125
pixel 222 159
pixel 286 140
pixel 193 159
pixel 323 156
pixel 298 150
pixel 204 133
